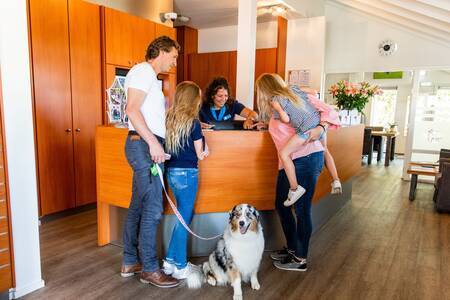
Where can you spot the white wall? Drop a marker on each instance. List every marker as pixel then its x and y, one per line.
pixel 308 8
pixel 19 136
pixel 148 9
pixel 306 46
pixel 220 39
pixel 353 38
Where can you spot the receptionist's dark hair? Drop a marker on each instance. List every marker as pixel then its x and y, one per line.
pixel 163 43
pixel 215 85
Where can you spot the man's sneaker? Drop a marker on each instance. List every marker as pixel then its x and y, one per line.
pixel 183 273
pixel 291 263
pixel 293 196
pixel 336 187
pixel 168 267
pixel 130 270
pixel 281 254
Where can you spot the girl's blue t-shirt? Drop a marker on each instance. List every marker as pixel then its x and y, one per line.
pixel 187 157
pixel 206 115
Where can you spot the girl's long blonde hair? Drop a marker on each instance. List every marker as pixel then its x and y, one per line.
pixel 181 116
pixel 269 86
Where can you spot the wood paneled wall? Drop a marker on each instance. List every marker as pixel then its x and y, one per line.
pixel 7 279
pixel 281 46
pixel 203 67
pixel 187 37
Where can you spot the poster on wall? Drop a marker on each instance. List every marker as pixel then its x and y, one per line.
pixel 116 102
pixel 299 77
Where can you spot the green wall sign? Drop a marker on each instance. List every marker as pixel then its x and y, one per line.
pixel 388 75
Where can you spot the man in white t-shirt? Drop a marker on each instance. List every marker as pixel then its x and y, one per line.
pixel 144 146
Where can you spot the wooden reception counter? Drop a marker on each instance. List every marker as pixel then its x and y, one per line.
pixel 241 168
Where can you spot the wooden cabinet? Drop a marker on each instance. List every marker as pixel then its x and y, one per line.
pixel 161 30
pixel 118 37
pixel 126 37
pixel 6 256
pixel 171 32
pixel 126 41
pixel 66 58
pixel 85 62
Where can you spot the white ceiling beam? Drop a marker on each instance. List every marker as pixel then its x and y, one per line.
pixel 444 4
pixel 436 34
pixel 422 8
pixel 408 14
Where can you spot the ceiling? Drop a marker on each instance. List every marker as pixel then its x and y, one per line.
pixel 207 14
pixel 428 17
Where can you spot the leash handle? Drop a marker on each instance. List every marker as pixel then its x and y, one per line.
pixel 177 213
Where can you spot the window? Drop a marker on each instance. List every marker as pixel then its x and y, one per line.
pixel 431 124
pixel 383 108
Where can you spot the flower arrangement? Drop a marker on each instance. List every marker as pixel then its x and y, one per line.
pixel 351 96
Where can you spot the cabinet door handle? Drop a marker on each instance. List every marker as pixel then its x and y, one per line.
pixel 78 130
pixel 68 130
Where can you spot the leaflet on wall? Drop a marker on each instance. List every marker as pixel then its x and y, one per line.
pixel 300 77
pixel 116 102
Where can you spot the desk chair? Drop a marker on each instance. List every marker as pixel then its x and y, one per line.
pixel 442 190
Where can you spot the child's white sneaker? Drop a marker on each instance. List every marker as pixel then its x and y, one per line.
pixel 293 196
pixel 168 267
pixel 184 272
pixel 336 187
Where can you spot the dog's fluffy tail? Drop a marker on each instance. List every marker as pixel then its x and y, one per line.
pixel 196 277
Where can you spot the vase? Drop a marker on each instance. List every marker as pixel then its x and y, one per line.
pixel 344 117
pixel 349 117
pixel 355 117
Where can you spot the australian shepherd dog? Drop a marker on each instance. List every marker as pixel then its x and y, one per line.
pixel 238 253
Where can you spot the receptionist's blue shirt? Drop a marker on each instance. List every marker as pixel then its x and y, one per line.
pixel 226 114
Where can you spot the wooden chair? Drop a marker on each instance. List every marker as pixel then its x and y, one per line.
pixel 377 141
pixel 367 144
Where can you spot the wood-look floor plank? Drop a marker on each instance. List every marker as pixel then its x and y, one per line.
pixel 379 246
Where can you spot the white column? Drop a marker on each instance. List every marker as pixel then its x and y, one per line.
pixel 19 137
pixel 246 44
pixel 411 123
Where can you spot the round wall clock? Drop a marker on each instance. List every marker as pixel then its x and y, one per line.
pixel 387 47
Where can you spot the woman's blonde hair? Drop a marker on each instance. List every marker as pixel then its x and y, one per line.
pixel 269 86
pixel 181 115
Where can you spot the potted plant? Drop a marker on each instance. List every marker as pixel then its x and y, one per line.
pixel 351 98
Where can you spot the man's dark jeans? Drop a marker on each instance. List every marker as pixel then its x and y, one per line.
pixel 145 211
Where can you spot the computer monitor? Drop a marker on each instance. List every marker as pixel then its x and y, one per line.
pixel 228 125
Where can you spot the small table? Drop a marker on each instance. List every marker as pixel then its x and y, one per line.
pixel 415 170
pixel 390 145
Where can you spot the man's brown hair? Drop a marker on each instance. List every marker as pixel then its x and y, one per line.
pixel 163 43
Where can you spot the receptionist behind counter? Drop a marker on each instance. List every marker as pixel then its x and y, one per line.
pixel 219 106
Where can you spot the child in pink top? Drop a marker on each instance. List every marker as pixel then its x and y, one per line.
pixel 291 105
